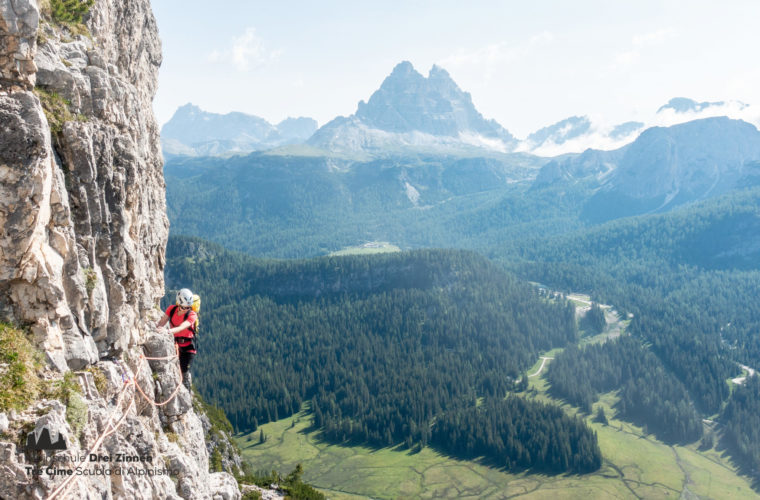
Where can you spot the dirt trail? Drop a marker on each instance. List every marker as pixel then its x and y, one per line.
pixel 544 358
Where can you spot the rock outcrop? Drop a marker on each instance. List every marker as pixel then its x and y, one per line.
pixel 410 111
pixel 82 242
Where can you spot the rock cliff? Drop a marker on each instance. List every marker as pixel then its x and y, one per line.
pixel 411 112
pixel 82 242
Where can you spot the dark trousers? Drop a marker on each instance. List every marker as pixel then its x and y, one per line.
pixel 185 359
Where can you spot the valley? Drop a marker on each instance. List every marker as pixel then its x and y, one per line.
pixel 636 465
pixel 543 284
pixel 392 368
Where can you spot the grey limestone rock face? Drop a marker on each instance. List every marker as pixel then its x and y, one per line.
pixel 83 211
pixel 166 460
pixel 224 486
pixel 221 442
pixel 83 232
pixel 18 34
pixel 167 377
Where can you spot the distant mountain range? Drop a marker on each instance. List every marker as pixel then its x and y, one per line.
pixel 664 167
pixel 414 113
pixel 194 132
pixel 578 133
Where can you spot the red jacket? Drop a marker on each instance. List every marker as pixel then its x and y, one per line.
pixel 176 318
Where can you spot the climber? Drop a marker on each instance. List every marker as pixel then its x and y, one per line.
pixel 182 321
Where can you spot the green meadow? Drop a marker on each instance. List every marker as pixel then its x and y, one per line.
pixel 368 249
pixel 635 465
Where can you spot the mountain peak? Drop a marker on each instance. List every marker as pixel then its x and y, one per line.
pixel 437 72
pixel 670 166
pixel 433 109
pixel 403 68
pixel 403 76
pixel 192 131
pixel 188 109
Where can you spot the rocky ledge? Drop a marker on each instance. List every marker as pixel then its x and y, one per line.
pixel 83 232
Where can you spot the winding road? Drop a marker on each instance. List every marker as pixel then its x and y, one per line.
pixel 544 358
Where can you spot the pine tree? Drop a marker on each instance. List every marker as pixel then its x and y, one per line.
pixel 600 416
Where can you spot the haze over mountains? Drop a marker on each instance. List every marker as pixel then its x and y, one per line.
pixel 411 112
pixel 419 143
pixel 194 132
pixel 664 167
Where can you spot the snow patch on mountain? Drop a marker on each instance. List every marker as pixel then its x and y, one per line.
pixel 579 133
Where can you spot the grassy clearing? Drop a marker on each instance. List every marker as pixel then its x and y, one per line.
pixel 373 247
pixel 616 326
pixel 579 299
pixel 635 465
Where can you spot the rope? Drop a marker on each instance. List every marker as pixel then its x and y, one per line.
pixel 176 390
pixel 114 427
pixel 106 432
pixel 161 359
pixel 173 394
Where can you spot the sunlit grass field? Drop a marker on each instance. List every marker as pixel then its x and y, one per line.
pixel 635 465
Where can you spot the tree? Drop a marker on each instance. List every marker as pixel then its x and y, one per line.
pixel 600 416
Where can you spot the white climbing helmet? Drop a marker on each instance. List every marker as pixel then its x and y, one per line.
pixel 185 298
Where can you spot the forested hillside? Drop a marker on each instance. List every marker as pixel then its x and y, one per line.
pixel 688 278
pixel 691 301
pixel 294 206
pixel 379 346
pixel 649 394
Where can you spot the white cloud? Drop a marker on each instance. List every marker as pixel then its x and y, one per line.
pixel 626 59
pixel 732 109
pixel 654 38
pixel 598 136
pixel 641 42
pixel 248 51
pixel 490 57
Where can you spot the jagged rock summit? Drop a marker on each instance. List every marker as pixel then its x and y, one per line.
pixel 83 232
pixel 411 111
pixel 194 132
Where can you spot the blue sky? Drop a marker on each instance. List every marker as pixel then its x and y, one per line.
pixel 526 64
